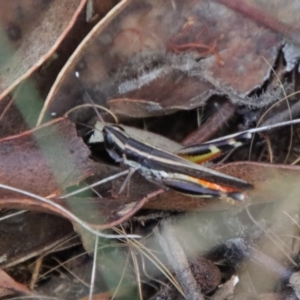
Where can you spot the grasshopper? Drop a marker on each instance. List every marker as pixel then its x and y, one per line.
pixel 172 171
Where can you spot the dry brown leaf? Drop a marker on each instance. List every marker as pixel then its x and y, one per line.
pixel 31 31
pixel 31 234
pixel 279 16
pixel 44 160
pixel 146 56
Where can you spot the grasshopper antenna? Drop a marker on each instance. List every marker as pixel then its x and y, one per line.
pixel 89 102
pixel 87 98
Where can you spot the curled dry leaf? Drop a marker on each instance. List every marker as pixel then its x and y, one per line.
pixel 31 31
pixel 151 58
pixel 44 160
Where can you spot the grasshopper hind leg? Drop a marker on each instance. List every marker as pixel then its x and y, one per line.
pixel 210 150
pixel 195 189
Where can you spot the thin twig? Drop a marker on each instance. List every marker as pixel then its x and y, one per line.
pixel 93 274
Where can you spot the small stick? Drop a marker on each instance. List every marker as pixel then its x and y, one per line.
pixel 212 125
pixel 177 258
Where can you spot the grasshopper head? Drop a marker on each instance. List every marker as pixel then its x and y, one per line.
pixel 114 140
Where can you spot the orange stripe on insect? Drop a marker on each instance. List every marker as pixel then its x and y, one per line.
pixel 214 186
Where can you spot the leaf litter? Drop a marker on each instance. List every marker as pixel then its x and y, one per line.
pixel 166 63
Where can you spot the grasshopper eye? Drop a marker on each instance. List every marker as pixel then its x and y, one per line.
pixel 108 140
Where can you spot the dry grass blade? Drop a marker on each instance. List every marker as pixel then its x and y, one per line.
pixel 95 184
pixel 289 109
pixel 292 219
pixel 93 273
pixel 121 278
pixel 259 129
pixel 12 215
pixel 285 98
pixel 137 274
pixel 155 260
pixel 63 265
pixel 271 238
pixel 94 106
